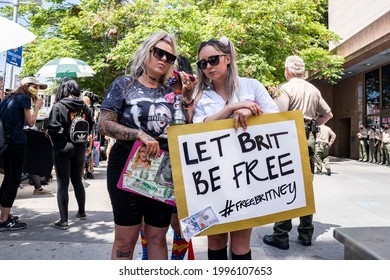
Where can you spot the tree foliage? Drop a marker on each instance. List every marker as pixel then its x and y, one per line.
pixel 105 34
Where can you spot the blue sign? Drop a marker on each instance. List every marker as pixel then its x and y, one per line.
pixel 14 56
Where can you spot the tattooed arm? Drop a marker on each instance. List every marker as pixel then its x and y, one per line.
pixel 108 125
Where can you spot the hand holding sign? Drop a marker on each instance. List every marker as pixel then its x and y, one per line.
pixel 251 178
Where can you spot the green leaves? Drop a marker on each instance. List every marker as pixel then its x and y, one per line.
pixel 105 34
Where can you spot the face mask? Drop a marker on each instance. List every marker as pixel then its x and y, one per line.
pixel 33 91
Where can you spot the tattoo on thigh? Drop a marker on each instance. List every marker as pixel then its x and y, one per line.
pixel 120 254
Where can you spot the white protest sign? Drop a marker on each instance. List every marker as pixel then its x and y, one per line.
pixel 249 178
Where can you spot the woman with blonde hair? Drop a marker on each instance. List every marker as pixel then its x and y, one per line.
pixel 222 94
pixel 135 108
pixel 141 160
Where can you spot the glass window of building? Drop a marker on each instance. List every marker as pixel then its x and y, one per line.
pixel 386 87
pixel 372 92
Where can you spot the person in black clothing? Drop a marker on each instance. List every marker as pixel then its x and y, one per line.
pixel 179 244
pixel 136 107
pixel 37 181
pixel 16 114
pixel 68 157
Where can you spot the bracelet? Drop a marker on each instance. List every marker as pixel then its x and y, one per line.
pixel 186 105
pixel 187 92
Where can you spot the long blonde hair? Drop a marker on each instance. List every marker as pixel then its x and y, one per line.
pixel 138 156
pixel 137 62
pixel 225 46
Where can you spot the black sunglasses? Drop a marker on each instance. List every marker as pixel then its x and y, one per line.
pixel 213 61
pixel 159 54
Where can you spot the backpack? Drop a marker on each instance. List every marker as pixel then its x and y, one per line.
pixel 79 128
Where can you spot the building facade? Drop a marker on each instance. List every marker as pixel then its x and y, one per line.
pixel 363 93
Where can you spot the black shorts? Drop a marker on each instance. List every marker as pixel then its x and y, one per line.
pixel 129 208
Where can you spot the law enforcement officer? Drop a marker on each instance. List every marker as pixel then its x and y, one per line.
pixel 372 148
pixel 324 140
pixel 381 149
pixel 386 142
pixel 363 146
pixel 298 94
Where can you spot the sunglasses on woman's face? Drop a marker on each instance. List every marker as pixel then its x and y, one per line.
pixel 159 54
pixel 213 61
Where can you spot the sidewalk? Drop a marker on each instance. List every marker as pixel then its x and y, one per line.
pixel 357 194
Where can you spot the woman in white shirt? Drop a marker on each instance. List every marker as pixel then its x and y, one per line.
pixel 222 94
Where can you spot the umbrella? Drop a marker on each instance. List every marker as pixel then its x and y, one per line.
pixel 66 67
pixel 13 35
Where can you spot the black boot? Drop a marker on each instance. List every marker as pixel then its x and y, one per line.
pixel 273 241
pixel 303 241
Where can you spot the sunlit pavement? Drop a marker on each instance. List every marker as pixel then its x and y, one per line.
pixel 356 194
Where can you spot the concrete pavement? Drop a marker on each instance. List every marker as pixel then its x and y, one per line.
pixel 357 194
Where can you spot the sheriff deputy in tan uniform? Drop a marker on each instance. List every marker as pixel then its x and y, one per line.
pixel 386 142
pixel 325 139
pixel 298 94
pixel 381 149
pixel 363 145
pixel 370 143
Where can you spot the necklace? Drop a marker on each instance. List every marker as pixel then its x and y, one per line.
pixel 148 81
pixel 152 78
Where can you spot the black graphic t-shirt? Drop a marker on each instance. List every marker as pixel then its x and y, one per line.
pixel 140 107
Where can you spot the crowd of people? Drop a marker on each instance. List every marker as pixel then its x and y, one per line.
pixel 374 144
pixel 215 92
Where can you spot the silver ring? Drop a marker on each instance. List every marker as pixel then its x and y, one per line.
pixel 188 82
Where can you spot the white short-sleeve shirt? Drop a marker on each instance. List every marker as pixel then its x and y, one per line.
pixel 250 89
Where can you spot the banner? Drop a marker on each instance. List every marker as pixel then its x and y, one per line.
pixel 247 179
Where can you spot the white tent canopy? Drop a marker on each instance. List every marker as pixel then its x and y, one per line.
pixel 13 35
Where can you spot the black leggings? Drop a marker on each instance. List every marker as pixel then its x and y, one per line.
pixel 69 163
pixel 13 162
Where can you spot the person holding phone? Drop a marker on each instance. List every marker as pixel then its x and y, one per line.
pixel 184 73
pixel 222 94
pixel 135 107
pixel 16 112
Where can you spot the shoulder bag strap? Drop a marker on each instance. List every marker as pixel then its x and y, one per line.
pixel 6 104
